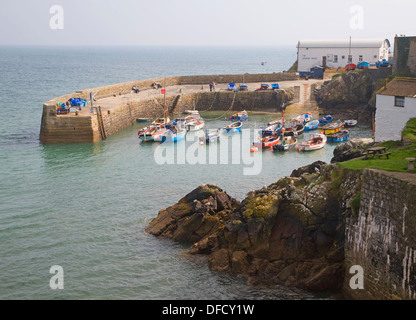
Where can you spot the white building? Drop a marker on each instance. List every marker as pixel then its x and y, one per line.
pixel 395 105
pixel 335 53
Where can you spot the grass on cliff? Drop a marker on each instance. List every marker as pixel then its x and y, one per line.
pixel 399 153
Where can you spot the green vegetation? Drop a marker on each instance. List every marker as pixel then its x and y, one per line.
pixel 399 153
pixel 294 67
pixel 258 208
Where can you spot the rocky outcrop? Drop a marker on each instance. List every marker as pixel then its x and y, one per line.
pixel 289 233
pixel 197 215
pixel 351 150
pixel 351 94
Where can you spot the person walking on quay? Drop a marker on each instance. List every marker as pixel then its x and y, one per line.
pixel 211 85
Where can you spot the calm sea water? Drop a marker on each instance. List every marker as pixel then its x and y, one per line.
pixel 85 207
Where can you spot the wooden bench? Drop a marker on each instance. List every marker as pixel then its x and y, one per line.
pixel 379 155
pixel 410 166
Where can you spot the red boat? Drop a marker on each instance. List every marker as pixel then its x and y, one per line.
pixel 267 142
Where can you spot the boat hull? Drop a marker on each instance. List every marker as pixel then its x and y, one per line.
pixel 315 142
pixel 338 137
pixel 312 125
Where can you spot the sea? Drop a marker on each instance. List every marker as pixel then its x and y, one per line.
pixel 73 216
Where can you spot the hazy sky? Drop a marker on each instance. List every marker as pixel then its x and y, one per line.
pixel 201 22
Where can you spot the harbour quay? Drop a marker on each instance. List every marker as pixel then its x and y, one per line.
pixel 106 110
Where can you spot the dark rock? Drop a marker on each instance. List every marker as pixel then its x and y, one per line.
pixel 312 168
pixel 289 233
pixel 200 213
pixel 349 150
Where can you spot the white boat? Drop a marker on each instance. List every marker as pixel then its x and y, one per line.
pixel 195 125
pixel 315 142
pixel 305 117
pixel 191 111
pixel 350 123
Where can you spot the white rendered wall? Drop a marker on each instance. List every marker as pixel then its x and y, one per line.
pixel 391 120
pixel 311 57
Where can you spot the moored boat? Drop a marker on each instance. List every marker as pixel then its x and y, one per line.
pixel 350 123
pixel 146 134
pixel 144 119
pixel 267 142
pixel 210 137
pixel 271 129
pixel 305 117
pixel 280 120
pixel 239 116
pixel 173 135
pixel 195 125
pixel 338 136
pixel 286 143
pixel 312 125
pixel 315 142
pixel 332 127
pixel 233 127
pixel 161 121
pixel 325 120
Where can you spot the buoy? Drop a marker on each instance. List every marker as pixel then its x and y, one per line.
pixel 254 149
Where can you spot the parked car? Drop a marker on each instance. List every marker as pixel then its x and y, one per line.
pixel 383 63
pixel 363 65
pixel 350 66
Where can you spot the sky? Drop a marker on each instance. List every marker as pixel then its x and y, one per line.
pixel 200 22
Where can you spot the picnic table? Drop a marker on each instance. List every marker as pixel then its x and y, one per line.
pixel 376 152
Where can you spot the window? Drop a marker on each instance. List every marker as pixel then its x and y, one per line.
pixel 349 58
pixel 335 58
pixel 398 101
pixel 343 57
pixel 360 58
pixel 375 56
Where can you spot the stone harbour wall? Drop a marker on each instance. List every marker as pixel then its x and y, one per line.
pixel 381 238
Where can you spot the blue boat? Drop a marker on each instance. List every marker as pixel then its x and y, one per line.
pixel 231 86
pixel 275 86
pixel 233 127
pixel 272 129
pixel 210 137
pixel 339 136
pixel 312 125
pixel 173 135
pixel 325 120
pixel 239 116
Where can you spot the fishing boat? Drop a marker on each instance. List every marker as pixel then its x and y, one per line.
pixel 267 142
pixel 243 87
pixel 195 125
pixel 239 116
pixel 350 123
pixel 144 119
pixel 339 136
pixel 280 120
pixel 312 125
pixel 325 120
pixel 161 121
pixel 332 127
pixel 305 117
pixel 191 111
pixel 233 127
pixel 146 134
pixel 315 142
pixel 286 143
pixel 296 127
pixel 210 137
pixel 271 130
pixel 173 134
